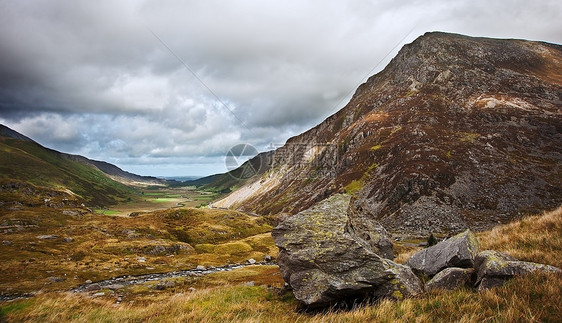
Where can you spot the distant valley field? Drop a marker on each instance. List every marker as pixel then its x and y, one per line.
pixel 160 198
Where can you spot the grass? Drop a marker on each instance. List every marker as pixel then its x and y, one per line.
pixel 107 212
pixel 97 246
pixel 357 184
pixel 536 298
pixel 224 296
pixel 536 238
pixel 354 186
pixel 31 163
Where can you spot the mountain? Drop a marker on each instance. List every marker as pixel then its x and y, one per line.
pixel 455 132
pixel 24 160
pixel 117 173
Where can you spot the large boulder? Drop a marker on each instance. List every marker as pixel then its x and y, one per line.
pixel 457 251
pixel 451 278
pixel 363 226
pixel 324 261
pixel 495 268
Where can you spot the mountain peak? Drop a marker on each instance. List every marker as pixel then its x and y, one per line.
pixel 456 132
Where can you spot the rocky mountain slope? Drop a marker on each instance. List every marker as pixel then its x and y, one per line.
pixel 456 132
pixel 235 178
pixel 25 161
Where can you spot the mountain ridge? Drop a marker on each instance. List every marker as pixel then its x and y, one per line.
pixel 109 169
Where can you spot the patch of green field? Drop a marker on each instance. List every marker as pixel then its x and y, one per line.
pixel 154 193
pixel 107 212
pixel 164 200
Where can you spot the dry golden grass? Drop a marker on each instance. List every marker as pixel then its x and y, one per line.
pixel 534 298
pixel 105 246
pixel 536 238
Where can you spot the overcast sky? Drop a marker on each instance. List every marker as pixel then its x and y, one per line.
pixel 167 87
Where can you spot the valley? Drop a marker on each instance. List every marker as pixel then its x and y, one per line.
pixel 160 198
pixel 456 143
pixel 73 265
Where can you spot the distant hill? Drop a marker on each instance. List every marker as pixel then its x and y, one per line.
pixel 229 181
pixel 101 183
pixel 117 173
pixel 455 132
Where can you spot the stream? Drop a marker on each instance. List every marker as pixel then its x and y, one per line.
pixel 123 281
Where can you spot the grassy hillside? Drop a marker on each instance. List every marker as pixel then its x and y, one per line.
pixel 224 297
pixel 27 161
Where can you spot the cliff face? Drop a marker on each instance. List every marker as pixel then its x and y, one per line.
pixel 455 132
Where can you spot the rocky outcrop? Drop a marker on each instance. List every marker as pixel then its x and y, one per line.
pixel 450 278
pixel 457 251
pixel 327 257
pixel 483 270
pixel 324 261
pixel 495 268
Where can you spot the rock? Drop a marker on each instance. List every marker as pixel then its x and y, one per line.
pixel 88 281
pixel 457 251
pixel 160 249
pixel 56 279
pixel 164 284
pixel 115 286
pixel 450 278
pixel 250 283
pixel 191 289
pixel 200 267
pixel 495 268
pixel 141 259
pixel 325 262
pixel 69 213
pixel 92 288
pixel 251 261
pixel 47 236
pixel 486 255
pixel 364 227
pixel 268 258
pixel 67 239
pixel 130 233
pixel 6 243
pixel 98 294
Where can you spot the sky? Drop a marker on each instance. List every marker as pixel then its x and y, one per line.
pixel 166 88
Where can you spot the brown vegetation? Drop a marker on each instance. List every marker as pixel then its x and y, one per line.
pixel 223 297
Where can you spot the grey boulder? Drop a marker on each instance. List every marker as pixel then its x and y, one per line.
pixel 495 268
pixel 451 278
pixel 324 261
pixel 457 251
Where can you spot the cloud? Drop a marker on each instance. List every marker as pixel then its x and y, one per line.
pixel 93 79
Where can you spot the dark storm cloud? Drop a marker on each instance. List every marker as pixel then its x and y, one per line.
pixel 91 78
